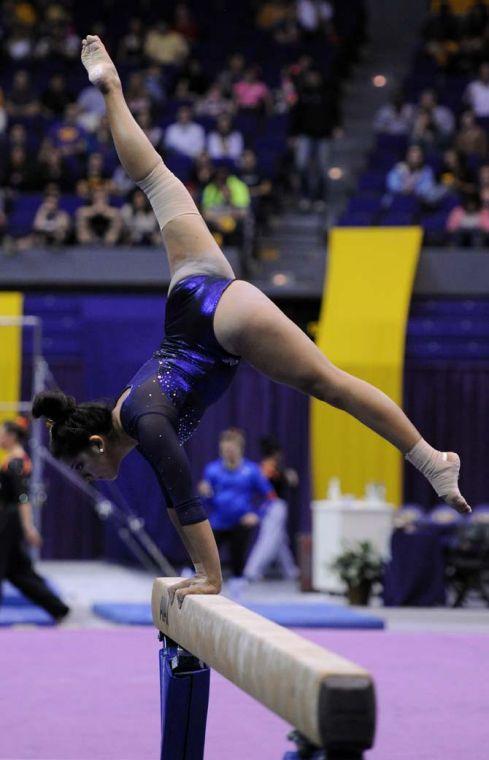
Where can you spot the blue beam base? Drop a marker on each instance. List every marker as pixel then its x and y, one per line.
pixel 184 683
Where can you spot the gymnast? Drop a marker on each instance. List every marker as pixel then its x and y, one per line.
pixel 212 321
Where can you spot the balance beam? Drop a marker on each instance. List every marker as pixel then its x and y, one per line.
pixel 328 699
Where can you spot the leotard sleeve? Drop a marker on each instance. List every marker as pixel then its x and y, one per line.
pixel 153 426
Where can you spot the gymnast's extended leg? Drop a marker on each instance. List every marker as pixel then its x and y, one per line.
pixel 248 324
pixel 190 246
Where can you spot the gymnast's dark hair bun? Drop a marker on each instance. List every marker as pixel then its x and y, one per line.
pixel 54 405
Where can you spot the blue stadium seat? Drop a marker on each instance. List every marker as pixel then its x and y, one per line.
pixel 356 219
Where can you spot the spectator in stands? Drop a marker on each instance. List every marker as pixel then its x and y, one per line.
pixel 55 97
pixel 215 103
pixel 471 139
pixel 315 16
pixel 414 177
pixel 97 177
pixel 185 136
pixel 483 177
pixel 202 175
pixel 152 132
pixel 91 108
pixel 468 224
pixel 477 93
pixel 102 142
pixel 51 225
pixel 18 45
pixel 165 46
pixel 130 48
pixel 137 96
pixel 455 174
pixel 50 167
pixel 232 73
pixel 68 136
pixel 425 132
pixel 192 81
pixel 98 222
pixel 21 100
pixel 225 206
pixel 224 141
pixel 251 93
pixel 272 14
pixel 441 32
pixel 19 174
pixel 394 118
pixel 17 136
pixel 441 115
pixel 259 187
pixel 184 22
pixel 3 113
pixel 140 224
pixel 315 120
pixel 476 19
pixel 154 83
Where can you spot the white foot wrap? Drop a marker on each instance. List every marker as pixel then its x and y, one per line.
pixel 436 467
pixel 168 196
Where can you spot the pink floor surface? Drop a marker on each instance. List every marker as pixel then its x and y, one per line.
pixel 93 695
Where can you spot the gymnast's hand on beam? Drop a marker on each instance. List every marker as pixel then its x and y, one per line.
pixel 199 584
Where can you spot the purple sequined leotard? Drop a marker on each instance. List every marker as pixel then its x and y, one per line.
pixel 171 391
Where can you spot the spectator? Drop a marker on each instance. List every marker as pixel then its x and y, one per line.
pixel 272 14
pixel 18 45
pixel 394 118
pixel 224 141
pixel 141 225
pixel 455 175
pixel 202 174
pixel 441 32
pixel 97 177
pixel 477 93
pixel 137 96
pixel 21 100
pixel 165 46
pixel 17 136
pixel 468 224
pixel 155 85
pixel 50 167
pixel 192 81
pixel 314 16
pixel 185 136
pixel 56 97
pixel 130 48
pixel 232 485
pixel 483 177
pixel 232 73
pixel 215 104
pixel 68 136
pixel 225 204
pixel 3 113
pixel 441 115
pixel 102 142
pixel 471 139
pixel 98 222
pixel 414 177
pixel 184 22
pixel 251 93
pixel 152 132
pixel 51 225
pixel 272 543
pixel 315 121
pixel 19 173
pixel 259 187
pixel 91 108
pixel 425 132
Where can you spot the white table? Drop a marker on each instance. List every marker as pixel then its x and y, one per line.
pixel 337 524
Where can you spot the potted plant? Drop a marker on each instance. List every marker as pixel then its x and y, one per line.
pixel 359 566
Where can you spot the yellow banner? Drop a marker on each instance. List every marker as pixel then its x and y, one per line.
pixel 11 305
pixel 362 330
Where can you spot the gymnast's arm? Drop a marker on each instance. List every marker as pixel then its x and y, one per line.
pixel 159 445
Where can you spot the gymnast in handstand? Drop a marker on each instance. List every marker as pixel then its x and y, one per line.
pixel 212 321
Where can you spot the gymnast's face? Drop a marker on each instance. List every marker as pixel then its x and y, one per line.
pixel 100 461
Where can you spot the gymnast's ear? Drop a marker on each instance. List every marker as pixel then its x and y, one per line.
pixel 97 444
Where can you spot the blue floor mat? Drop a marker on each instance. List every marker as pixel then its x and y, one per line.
pixel 297 615
pixel 23 615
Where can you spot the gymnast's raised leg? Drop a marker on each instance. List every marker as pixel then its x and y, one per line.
pixel 246 322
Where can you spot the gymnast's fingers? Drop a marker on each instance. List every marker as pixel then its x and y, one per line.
pixel 201 588
pixel 180 585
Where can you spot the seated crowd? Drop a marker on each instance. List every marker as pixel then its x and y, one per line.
pixel 225 127
pixel 431 162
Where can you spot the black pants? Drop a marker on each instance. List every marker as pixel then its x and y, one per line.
pixel 16 566
pixel 237 540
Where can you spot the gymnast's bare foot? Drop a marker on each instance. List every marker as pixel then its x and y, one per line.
pixel 101 71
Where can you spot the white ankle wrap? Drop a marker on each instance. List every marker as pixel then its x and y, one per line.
pixel 168 196
pixel 435 466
